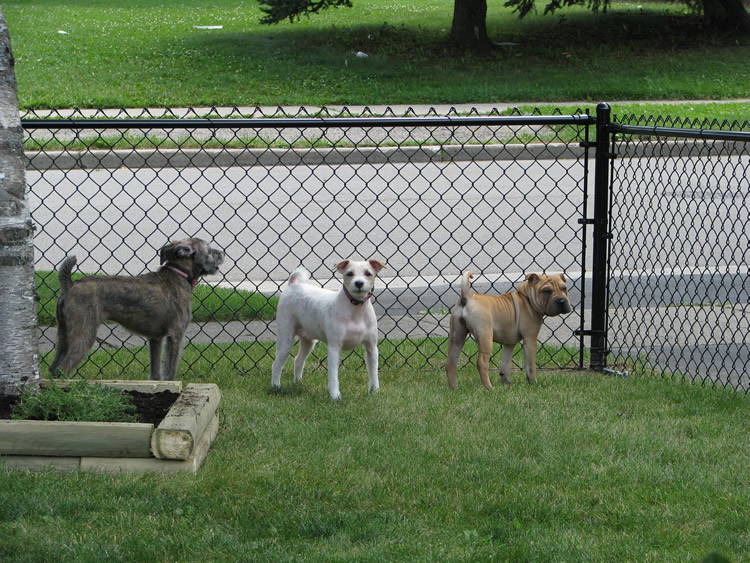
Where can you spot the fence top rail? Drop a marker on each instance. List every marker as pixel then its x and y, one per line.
pixel 308 122
pixel 675 132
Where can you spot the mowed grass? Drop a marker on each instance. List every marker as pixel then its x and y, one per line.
pixel 148 53
pixel 579 467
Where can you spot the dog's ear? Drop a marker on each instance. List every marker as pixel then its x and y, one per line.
pixel 341 266
pixel 176 249
pixel 530 279
pixel 376 265
pixel 166 253
pixel 184 250
pixel 562 278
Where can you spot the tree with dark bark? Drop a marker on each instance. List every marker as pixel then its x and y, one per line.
pixel 469 27
pixel 19 349
pixel 726 15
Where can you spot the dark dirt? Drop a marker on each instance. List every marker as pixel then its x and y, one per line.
pixel 151 408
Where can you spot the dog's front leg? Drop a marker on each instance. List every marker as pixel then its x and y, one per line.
pixel 371 361
pixel 529 358
pixel 334 355
pixel 171 357
pixel 154 345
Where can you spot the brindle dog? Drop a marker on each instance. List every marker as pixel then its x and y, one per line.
pixel 156 305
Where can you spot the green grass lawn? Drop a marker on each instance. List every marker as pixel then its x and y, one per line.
pixel 150 54
pixel 579 467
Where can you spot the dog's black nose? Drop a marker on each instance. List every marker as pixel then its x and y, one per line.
pixel 359 284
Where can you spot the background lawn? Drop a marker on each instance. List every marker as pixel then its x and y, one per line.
pixel 149 53
pixel 209 303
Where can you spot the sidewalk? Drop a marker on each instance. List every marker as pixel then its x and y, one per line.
pixel 338 110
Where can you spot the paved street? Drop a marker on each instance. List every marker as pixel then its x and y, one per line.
pixel 270 220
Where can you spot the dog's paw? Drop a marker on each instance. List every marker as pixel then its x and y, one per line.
pixel 374 388
pixel 336 396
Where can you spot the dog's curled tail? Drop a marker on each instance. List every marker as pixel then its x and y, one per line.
pixel 64 273
pixel 466 285
pixel 299 275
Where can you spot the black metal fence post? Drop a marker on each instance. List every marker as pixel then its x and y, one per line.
pixel 601 239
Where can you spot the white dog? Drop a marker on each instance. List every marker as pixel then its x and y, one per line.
pixel 344 319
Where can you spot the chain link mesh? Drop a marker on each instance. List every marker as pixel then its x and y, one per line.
pixel 500 195
pixel 678 290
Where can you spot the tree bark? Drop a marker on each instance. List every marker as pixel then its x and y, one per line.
pixel 726 15
pixel 469 28
pixel 19 349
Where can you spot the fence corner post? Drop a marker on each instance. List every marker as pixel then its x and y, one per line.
pixel 601 237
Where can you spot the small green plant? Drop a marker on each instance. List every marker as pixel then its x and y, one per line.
pixel 77 402
pixel 428 312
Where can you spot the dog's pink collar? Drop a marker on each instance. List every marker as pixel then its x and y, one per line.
pixel 356 301
pixel 182 273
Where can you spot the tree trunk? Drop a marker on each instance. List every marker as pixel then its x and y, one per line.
pixel 469 28
pixel 726 15
pixel 19 350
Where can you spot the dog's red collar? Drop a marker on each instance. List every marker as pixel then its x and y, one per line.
pixel 182 273
pixel 356 301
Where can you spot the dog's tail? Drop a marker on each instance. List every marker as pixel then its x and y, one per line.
pixel 300 275
pixel 466 285
pixel 64 273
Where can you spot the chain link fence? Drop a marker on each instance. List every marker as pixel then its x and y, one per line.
pixel 431 196
pixel 679 285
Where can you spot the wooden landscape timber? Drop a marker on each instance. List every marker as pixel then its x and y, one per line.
pixel 179 443
pixel 177 435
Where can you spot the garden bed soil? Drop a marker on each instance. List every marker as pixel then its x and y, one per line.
pixel 151 408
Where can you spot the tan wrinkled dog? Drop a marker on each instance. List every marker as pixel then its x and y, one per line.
pixel 506 319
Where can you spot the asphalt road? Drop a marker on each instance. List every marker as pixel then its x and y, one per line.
pixel 428 221
pixel 423 219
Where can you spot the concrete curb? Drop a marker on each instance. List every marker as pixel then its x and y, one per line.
pixel 225 158
pixel 205 158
